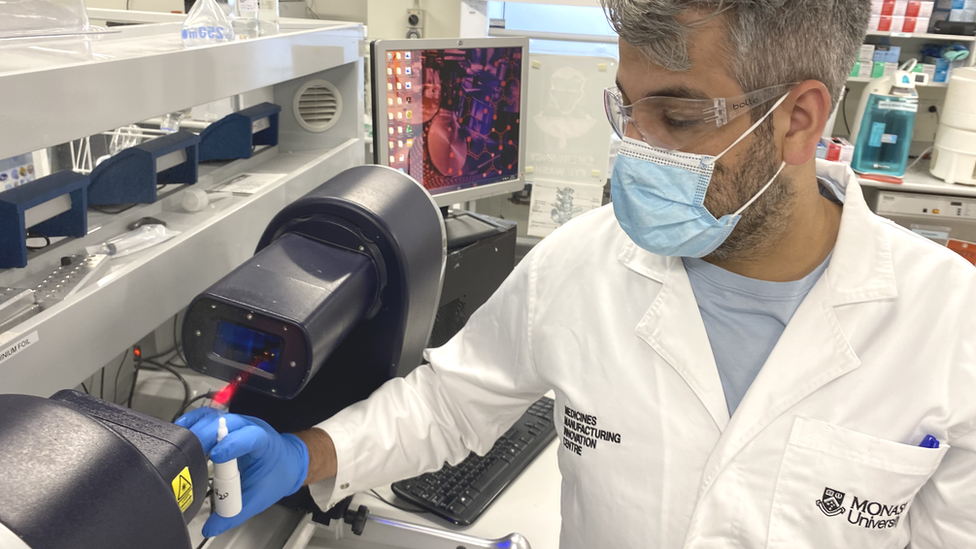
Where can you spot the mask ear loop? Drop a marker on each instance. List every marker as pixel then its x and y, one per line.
pixel 753 127
pixel 760 193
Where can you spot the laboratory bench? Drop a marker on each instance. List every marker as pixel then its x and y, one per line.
pixel 529 506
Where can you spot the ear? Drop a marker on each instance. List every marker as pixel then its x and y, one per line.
pixel 806 113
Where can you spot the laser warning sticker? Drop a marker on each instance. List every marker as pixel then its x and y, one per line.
pixel 183 489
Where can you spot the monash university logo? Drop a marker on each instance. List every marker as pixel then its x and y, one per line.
pixel 832 502
pixel 863 512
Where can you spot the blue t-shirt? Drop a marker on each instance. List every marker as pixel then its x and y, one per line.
pixel 744 319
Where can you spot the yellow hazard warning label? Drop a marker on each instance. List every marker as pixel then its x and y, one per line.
pixel 183 489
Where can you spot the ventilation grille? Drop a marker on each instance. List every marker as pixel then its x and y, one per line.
pixel 317 105
pixel 449 321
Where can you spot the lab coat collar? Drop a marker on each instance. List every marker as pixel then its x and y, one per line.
pixel 861 268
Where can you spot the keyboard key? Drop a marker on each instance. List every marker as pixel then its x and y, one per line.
pixel 491 474
pixel 463 499
pixel 456 509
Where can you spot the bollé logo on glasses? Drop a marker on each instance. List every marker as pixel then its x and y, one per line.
pixel 749 102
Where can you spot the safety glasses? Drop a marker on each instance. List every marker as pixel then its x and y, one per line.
pixel 671 123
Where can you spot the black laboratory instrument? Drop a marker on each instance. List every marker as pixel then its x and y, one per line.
pixel 461 493
pixel 340 295
pixel 82 473
pixel 344 284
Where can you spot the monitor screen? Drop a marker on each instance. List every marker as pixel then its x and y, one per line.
pixel 452 115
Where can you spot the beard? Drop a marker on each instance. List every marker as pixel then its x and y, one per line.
pixel 764 222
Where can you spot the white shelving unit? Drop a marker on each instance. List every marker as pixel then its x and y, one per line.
pixel 932 94
pixel 919 180
pixel 865 79
pixel 930 37
pixel 69 88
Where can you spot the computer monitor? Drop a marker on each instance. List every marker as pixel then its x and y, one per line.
pixel 448 113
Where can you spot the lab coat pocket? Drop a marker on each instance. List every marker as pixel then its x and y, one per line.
pixel 838 488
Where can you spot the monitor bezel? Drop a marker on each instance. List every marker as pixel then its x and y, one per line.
pixel 381 150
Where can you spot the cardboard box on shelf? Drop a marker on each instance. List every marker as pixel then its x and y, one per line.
pixel 836 149
pixel 866 54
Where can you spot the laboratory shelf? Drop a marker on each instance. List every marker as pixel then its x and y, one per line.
pixel 919 180
pixel 59 89
pixel 139 292
pixel 924 36
pixel 864 79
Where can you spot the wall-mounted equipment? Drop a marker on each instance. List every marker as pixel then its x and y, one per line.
pixel 133 175
pixel 55 205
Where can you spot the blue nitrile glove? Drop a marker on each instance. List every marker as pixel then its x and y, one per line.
pixel 272 465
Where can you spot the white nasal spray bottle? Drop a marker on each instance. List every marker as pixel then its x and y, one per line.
pixel 227 482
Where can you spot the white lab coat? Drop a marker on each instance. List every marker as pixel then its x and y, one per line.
pixel 881 352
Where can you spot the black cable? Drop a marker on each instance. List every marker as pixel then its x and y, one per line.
pixel 843 105
pixel 170 369
pixel 376 495
pixel 202 543
pixel 176 341
pixel 115 389
pixel 208 394
pixel 32 234
pixel 101 385
pixel 111 212
pixel 132 388
pixel 83 386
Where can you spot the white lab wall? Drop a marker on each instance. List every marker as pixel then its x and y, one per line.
pixel 339 10
pixel 387 18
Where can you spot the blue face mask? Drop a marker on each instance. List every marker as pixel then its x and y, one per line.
pixel 659 198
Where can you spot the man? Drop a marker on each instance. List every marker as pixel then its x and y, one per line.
pixel 773 394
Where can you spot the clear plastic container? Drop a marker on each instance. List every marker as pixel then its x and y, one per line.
pixel 246 19
pixel 206 24
pixel 42 17
pixel 268 16
pixel 886 135
pixel 171 122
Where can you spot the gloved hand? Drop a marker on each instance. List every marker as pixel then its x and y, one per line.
pixel 272 465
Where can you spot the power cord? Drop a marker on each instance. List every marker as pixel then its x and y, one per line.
pixel 176 341
pixel 111 212
pixel 376 495
pixel 115 390
pixel 208 394
pixel 186 386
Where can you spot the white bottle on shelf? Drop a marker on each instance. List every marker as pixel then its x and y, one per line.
pixel 245 20
pixel 268 16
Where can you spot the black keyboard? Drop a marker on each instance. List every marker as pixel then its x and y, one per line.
pixel 460 494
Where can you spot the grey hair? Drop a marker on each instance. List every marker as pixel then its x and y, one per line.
pixel 770 41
